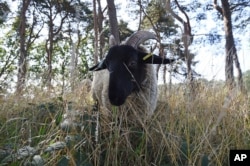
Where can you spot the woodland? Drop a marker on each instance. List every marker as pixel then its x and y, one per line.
pixel 47 115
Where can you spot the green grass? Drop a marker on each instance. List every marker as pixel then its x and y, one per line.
pixel 184 130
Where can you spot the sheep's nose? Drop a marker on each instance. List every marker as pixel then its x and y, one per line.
pixel 117 98
pixel 117 101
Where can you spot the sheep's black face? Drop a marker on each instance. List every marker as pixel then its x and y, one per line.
pixel 126 73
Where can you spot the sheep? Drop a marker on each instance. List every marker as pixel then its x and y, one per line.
pixel 126 77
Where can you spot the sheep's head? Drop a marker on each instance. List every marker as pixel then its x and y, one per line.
pixel 127 67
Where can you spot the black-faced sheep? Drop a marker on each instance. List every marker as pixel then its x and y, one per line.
pixel 126 76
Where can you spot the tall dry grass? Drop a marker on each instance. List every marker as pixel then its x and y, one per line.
pixel 186 129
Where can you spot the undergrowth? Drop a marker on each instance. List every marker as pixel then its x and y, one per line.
pixel 197 129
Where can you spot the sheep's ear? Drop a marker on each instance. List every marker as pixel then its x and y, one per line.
pixel 99 66
pixel 153 59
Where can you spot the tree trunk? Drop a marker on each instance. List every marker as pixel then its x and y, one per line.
pixel 229 46
pixel 100 30
pixel 187 39
pixel 49 51
pixel 240 78
pixel 230 49
pixel 73 65
pixel 96 34
pixel 113 24
pixel 22 62
pixel 53 31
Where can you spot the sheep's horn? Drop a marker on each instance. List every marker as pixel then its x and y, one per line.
pixel 139 37
pixel 112 41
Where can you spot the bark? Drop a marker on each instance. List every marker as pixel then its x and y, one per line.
pixel 95 32
pixel 231 52
pixel 73 64
pixel 100 30
pixel 187 39
pixel 22 62
pixel 230 49
pixel 49 48
pixel 229 46
pixel 74 57
pixel 113 24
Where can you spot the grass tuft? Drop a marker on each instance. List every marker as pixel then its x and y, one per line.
pixel 185 129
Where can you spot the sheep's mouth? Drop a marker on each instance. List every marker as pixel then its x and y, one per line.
pixel 117 101
pixel 118 97
pixel 119 88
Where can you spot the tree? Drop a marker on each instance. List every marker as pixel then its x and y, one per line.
pixel 113 23
pixel 157 18
pixel 22 62
pixel 68 43
pixel 79 28
pixel 187 37
pixel 98 29
pixel 7 60
pixel 25 35
pixel 53 11
pixel 230 50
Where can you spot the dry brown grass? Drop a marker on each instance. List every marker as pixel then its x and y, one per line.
pixel 184 130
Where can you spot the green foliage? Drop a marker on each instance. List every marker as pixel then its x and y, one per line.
pixel 8 60
pixel 75 29
pixel 124 30
pixel 158 16
pixel 38 59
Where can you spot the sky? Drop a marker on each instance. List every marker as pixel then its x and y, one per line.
pixel 211 58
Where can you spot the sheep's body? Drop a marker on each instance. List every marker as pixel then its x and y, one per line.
pixel 145 99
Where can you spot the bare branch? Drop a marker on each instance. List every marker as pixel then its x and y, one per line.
pixel 146 15
pixel 172 12
pixel 187 27
pixel 235 6
pixel 218 8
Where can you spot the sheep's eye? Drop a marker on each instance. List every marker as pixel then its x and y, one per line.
pixel 132 64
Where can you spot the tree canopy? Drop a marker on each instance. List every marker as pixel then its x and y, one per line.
pixel 50 43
